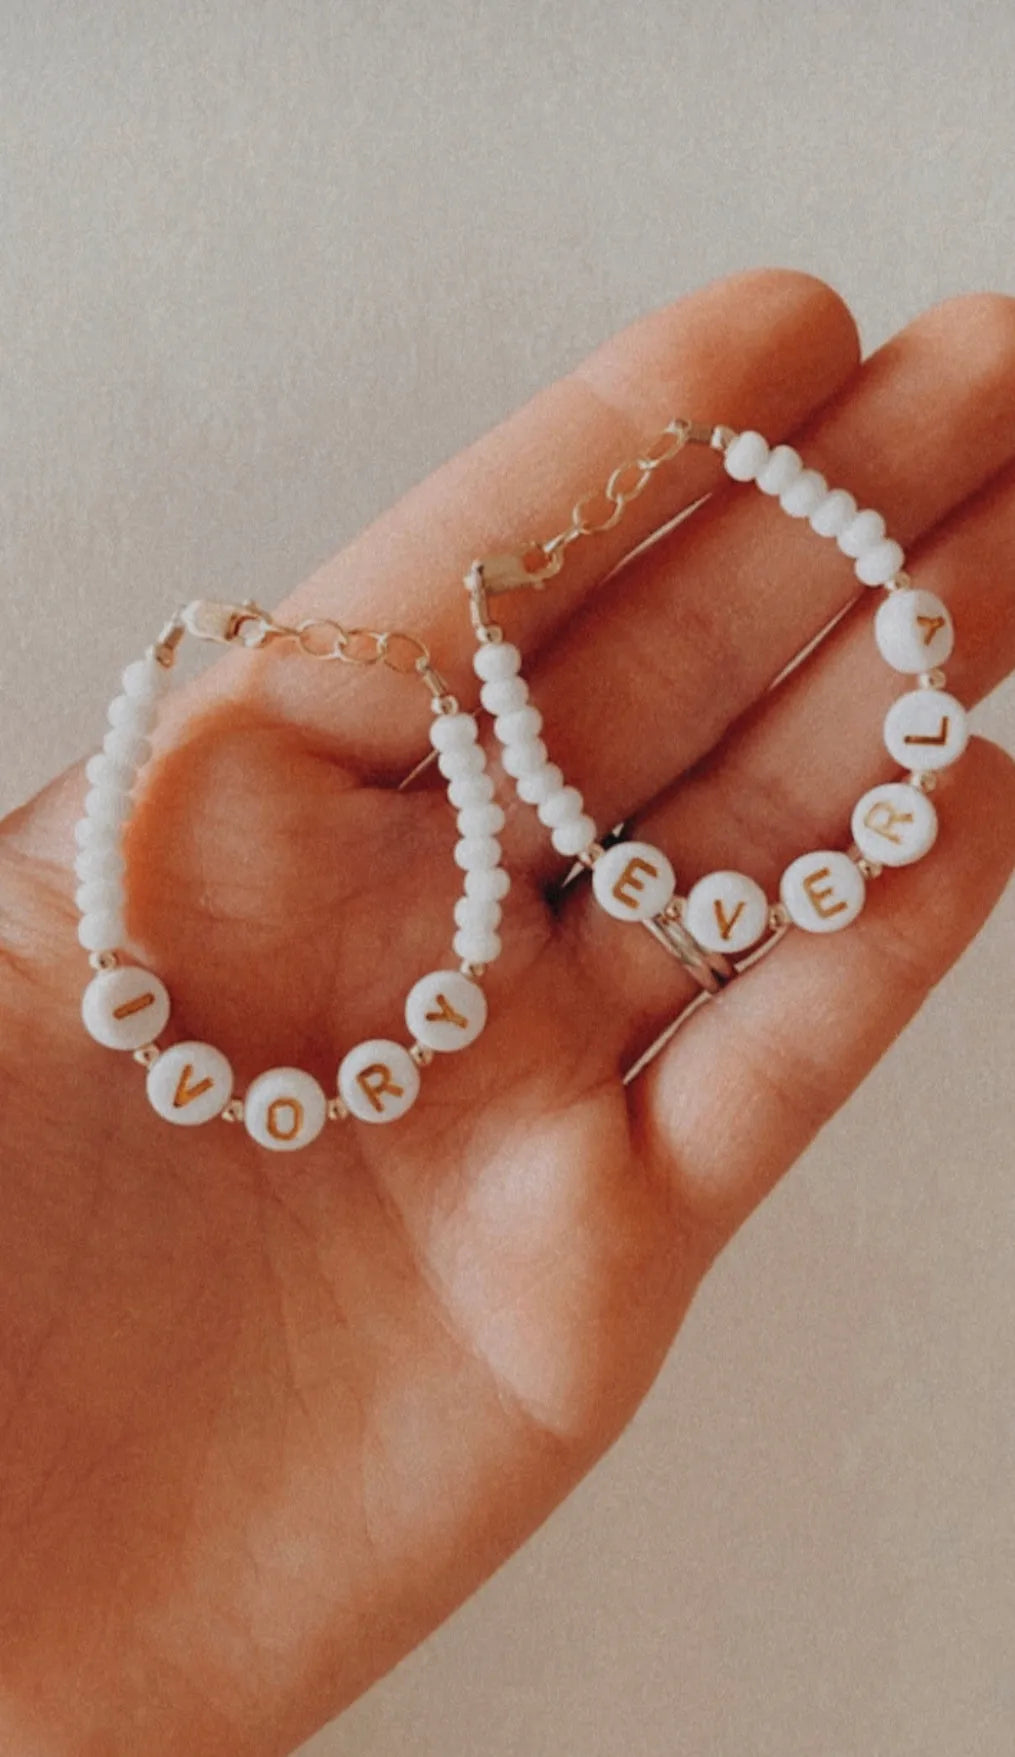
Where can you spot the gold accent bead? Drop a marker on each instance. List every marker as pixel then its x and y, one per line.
pixel 421 1055
pixel 778 916
pixel 925 780
pixel 475 972
pixel 337 1112
pixel 233 1112
pixel 870 868
pixel 147 1055
pixel 935 679
pixel 104 960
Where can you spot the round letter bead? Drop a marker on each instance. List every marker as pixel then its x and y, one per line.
pixel 782 468
pixel 190 1083
pixel 894 824
pixel 823 892
pixel 573 835
pixel 102 930
pixel 633 881
pixel 746 456
pixel 125 1008
pixel 880 564
pixel 488 882
pixel 914 631
pixel 726 912
pixel 495 661
pixel 504 695
pixel 836 511
pixel 862 533
pixel 805 495
pixel 452 731
pixel 537 787
pixel 926 729
pixel 523 759
pixel 378 1081
pixel 445 1011
pixel 284 1109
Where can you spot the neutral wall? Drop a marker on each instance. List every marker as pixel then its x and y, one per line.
pixel 264 265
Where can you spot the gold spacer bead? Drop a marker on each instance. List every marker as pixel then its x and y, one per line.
pixel 925 780
pixel 674 910
pixel 421 1055
pixel 337 1112
pixel 233 1111
pixel 870 868
pixel 935 679
pixel 104 960
pixel 490 634
pixel 778 916
pixel 147 1055
pixel 475 972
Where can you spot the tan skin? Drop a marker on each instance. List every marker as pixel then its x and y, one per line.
pixel 266 1420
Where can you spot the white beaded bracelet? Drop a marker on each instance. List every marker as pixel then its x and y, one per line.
pixel 727 913
pixel 126 1007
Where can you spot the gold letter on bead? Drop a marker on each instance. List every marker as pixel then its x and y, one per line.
pixel 445 1012
pixel 727 923
pixel 137 1005
pixel 939 737
pixel 272 1124
pixel 931 624
pixel 186 1093
pixel 819 899
pixel 629 880
pixel 883 817
pixel 375 1080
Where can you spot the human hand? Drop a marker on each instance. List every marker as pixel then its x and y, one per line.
pixel 267 1420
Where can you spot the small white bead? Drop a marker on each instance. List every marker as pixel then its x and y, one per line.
pixel 445 1011
pixel 378 1081
pixel 879 565
pixel 782 468
pixel 99 893
pixel 504 695
pixel 461 759
pixel 823 892
pixel 284 1108
pixel 573 835
pixel 476 948
pixel 480 820
pixel 914 631
pixel 746 457
pixel 536 787
pixel 805 495
pixel 726 912
pixel 497 661
pixel 102 930
pixel 469 790
pixel 108 806
pixel 137 716
pixel 836 511
pixel 477 851
pixel 190 1083
pixel 90 833
pixel 101 860
pixel 633 881
pixel 145 680
pixel 564 803
pixel 479 912
pixel 926 729
pixel 125 1008
pixel 862 533
pixel 488 882
pixel 126 748
pixel 452 731
pixel 518 727
pixel 102 771
pixel 523 759
pixel 894 824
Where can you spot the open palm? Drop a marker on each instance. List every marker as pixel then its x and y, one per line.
pixel 267 1419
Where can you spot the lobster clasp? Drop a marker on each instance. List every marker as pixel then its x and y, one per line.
pixel 244 623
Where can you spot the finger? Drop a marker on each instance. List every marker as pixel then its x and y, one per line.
pixel 713 350
pixel 787 778
pixel 662 659
pixel 737 1096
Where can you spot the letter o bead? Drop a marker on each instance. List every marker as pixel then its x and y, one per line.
pixel 284 1109
pixel 125 1008
pixel 894 824
pixel 726 912
pixel 190 1083
pixel 445 1011
pixel 378 1081
pixel 823 891
pixel 633 881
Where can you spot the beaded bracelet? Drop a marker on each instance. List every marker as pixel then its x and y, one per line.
pixel 727 913
pixel 126 1007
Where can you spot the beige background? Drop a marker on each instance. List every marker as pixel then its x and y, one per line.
pixel 264 265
